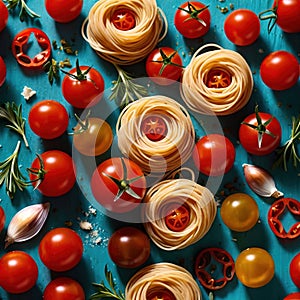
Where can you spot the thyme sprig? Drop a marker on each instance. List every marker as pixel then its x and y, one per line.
pixel 289 150
pixel 125 90
pixel 11 175
pixel 104 291
pixel 25 11
pixel 13 114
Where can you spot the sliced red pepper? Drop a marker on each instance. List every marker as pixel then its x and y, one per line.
pixel 20 43
pixel 123 19
pixel 154 127
pixel 276 211
pixel 205 265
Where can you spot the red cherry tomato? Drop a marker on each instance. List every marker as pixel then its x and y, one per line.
pixel 83 80
pixel 3 15
pixel 279 70
pixel 292 296
pixel 192 19
pixel 129 247
pixel 56 173
pixel 48 119
pixel 260 133
pixel 64 11
pixel 218 79
pixel 118 184
pixel 63 288
pixel 2 218
pixel 162 294
pixel 2 71
pixel 242 27
pixel 154 127
pixel 123 19
pixel 214 155
pixel 20 45
pixel 18 272
pixel 61 249
pixel 164 65
pixel 178 218
pixel 295 270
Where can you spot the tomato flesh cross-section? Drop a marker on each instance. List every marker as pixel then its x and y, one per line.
pixel 154 127
pixel 123 19
pixel 178 218
pixel 218 78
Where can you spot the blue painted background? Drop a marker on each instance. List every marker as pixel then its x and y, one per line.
pixel 73 206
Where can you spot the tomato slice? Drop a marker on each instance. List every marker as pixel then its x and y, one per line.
pixel 218 78
pixel 163 294
pixel 123 19
pixel 154 127
pixel 178 218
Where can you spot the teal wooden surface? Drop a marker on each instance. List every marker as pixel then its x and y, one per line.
pixel 75 207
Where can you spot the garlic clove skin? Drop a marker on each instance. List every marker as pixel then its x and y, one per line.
pixel 26 223
pixel 261 181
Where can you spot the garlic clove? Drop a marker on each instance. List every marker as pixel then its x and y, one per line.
pixel 26 223
pixel 261 181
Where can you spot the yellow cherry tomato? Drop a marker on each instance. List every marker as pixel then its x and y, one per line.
pixel 254 267
pixel 92 137
pixel 239 212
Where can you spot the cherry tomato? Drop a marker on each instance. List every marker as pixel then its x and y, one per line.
pixel 218 79
pixel 129 247
pixel 56 173
pixel 288 12
pixel 92 136
pixel 260 133
pixel 279 70
pixel 295 270
pixel 18 272
pixel 2 71
pixel 118 184
pixel 2 218
pixel 214 155
pixel 192 19
pixel 64 288
pixel 123 19
pixel 154 127
pixel 3 15
pixel 20 45
pixel 162 294
pixel 48 119
pixel 61 249
pixel 178 218
pixel 239 212
pixel 292 296
pixel 254 267
pixel 242 27
pixel 164 65
pixel 83 80
pixel 64 11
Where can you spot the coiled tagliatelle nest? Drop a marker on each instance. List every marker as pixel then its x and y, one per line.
pixel 124 47
pixel 168 278
pixel 223 99
pixel 156 157
pixel 198 200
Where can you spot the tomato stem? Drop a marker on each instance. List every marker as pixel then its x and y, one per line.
pixel 271 15
pixel 194 12
pixel 81 76
pixel 38 172
pixel 84 124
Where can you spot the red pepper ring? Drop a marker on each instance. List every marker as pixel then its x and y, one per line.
pixel 276 210
pixel 20 43
pixel 205 266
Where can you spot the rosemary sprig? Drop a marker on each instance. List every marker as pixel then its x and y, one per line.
pixel 289 149
pixel 107 292
pixel 11 174
pixel 13 114
pixel 25 11
pixel 125 90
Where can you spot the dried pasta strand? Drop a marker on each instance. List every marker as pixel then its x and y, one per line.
pixel 198 199
pixel 124 47
pixel 220 101
pixel 156 157
pixel 162 276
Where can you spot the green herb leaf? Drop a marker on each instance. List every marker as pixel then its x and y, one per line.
pixel 11 175
pixel 25 11
pixel 13 114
